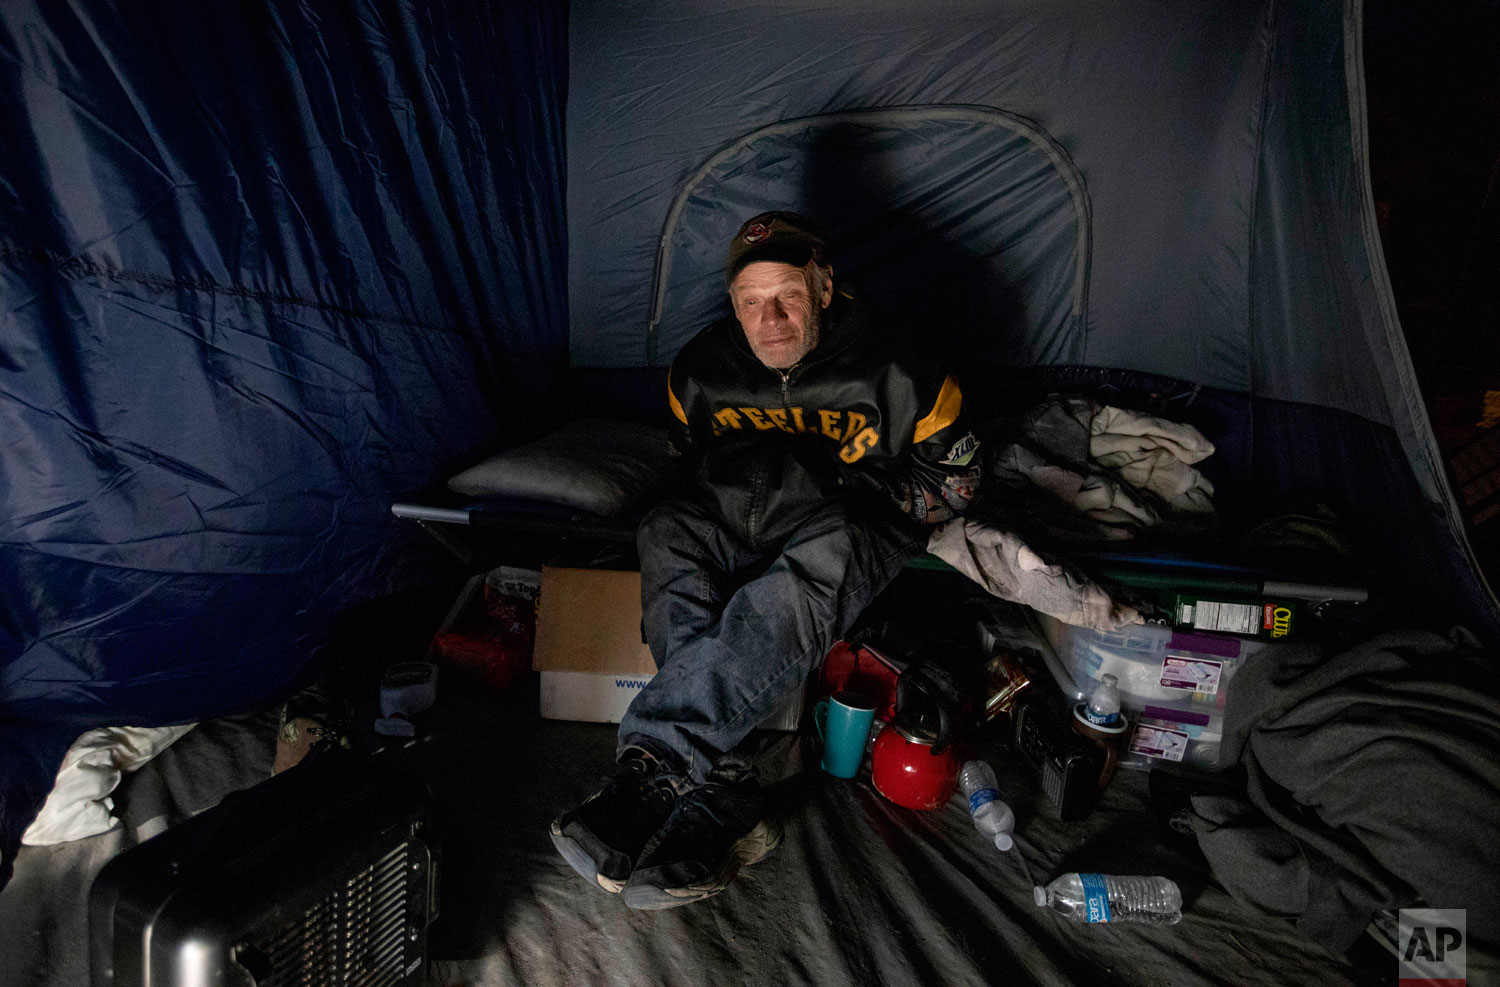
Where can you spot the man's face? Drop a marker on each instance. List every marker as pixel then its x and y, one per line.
pixel 781 308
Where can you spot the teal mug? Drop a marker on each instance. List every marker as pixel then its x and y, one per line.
pixel 843 721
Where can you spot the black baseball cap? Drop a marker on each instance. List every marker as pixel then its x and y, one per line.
pixel 785 237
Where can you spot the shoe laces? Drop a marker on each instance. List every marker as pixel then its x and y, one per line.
pixel 638 775
pixel 710 810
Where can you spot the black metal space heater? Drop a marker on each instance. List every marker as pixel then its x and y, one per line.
pixel 322 876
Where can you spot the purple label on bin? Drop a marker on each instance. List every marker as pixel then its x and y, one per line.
pixel 1191 673
pixel 1094 897
pixel 1202 644
pixel 1175 715
pixel 1154 741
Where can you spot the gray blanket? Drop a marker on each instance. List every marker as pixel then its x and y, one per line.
pixel 861 892
pixel 1374 784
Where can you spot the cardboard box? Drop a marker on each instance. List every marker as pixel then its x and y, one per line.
pixel 589 649
pixel 589 620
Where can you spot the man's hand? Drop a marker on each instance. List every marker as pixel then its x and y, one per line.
pixel 924 499
pixel 875 482
pixel 924 493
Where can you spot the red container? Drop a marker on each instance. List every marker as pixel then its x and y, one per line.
pixel 906 771
pixel 490 644
pixel 862 669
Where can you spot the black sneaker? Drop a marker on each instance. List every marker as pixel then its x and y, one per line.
pixel 714 831
pixel 602 838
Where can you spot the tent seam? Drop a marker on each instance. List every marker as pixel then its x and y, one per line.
pixel 1260 151
pixel 1031 131
pixel 1250 239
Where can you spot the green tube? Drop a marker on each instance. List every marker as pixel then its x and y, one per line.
pixel 1179 580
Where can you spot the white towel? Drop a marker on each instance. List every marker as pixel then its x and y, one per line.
pixel 79 804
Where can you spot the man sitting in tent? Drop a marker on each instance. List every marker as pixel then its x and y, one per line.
pixel 817 446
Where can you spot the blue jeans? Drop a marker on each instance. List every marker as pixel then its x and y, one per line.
pixel 735 629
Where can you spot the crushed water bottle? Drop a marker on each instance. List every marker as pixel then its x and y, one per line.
pixel 1104 705
pixel 1107 898
pixel 991 815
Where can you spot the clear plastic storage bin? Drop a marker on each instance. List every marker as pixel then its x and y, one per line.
pixel 1174 682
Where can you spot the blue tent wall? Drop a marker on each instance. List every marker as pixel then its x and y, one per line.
pixel 1223 154
pixel 262 267
pixel 1323 330
pixel 1158 105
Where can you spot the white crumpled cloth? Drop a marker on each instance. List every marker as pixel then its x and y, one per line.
pixel 1002 563
pixel 79 804
pixel 1154 454
pixel 1114 471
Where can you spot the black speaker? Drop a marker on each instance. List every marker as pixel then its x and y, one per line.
pixel 1067 766
pixel 322 876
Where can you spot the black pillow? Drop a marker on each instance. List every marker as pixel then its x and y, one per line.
pixel 603 467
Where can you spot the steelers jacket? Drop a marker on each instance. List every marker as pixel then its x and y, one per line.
pixel 860 415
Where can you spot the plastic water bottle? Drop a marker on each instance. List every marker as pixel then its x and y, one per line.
pixel 1107 898
pixel 991 815
pixel 1104 705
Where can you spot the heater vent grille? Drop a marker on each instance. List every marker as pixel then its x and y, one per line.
pixel 356 936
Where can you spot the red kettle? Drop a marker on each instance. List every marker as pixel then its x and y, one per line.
pixel 914 763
